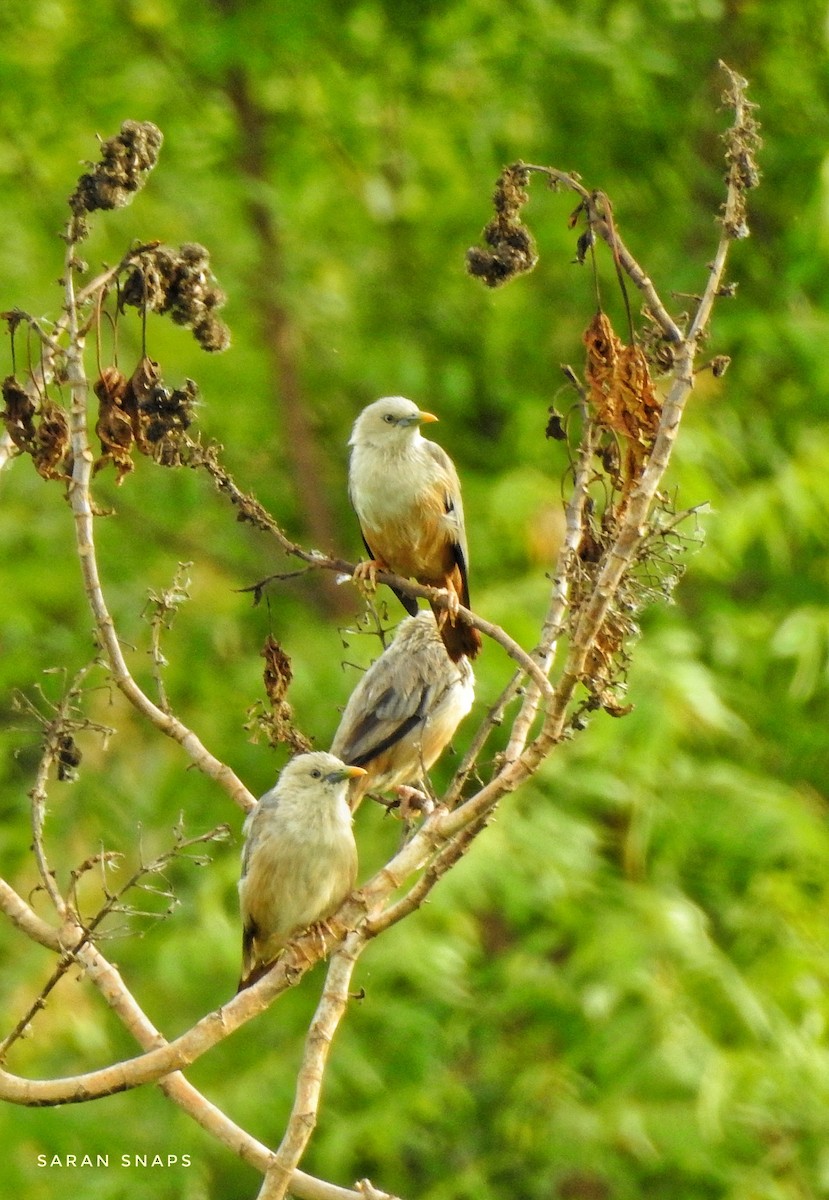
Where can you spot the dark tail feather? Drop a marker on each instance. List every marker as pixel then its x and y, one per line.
pixel 459 639
pixel 410 605
pixel 254 975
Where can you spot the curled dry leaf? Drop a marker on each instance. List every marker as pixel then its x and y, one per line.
pixel 52 444
pixel 278 724
pixel 277 673
pixel 18 415
pixel 116 422
pixel 621 390
pixel 141 413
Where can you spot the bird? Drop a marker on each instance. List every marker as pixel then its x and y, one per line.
pixel 407 497
pixel 299 860
pixel 404 711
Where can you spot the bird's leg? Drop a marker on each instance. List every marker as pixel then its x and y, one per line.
pixel 412 802
pixel 449 613
pixel 378 798
pixel 365 573
pixel 319 929
pixel 408 802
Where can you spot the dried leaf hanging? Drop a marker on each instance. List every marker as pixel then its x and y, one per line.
pixel 115 426
pixel 278 724
pixel 621 390
pixel 510 247
pixel 53 441
pixel 39 428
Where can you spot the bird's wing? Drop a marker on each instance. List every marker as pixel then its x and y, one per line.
pixel 382 722
pixel 250 837
pixel 256 823
pixel 248 938
pixel 453 509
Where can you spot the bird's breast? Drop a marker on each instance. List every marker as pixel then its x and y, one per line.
pixel 386 487
pixel 401 506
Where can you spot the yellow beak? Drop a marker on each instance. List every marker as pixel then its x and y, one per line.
pixel 427 418
pixel 342 773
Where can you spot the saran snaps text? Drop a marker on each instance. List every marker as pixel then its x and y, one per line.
pixel 118 1160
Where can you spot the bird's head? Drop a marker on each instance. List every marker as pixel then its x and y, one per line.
pixel 392 420
pixel 317 773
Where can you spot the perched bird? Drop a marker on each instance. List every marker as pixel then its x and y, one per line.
pixel 407 496
pixel 300 859
pixel 404 710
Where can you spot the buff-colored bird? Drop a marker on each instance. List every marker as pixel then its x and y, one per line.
pixel 404 710
pixel 300 859
pixel 407 496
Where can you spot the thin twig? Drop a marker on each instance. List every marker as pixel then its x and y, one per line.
pixel 111 904
pixel 252 511
pixel 164 606
pixel 560 594
pixel 606 232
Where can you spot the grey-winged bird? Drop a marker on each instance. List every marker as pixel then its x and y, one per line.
pixel 299 861
pixel 407 496
pixel 405 709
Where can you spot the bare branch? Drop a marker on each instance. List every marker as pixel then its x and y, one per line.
pixel 79 495
pixel 112 903
pixel 109 982
pixel 24 918
pixel 560 596
pixel 330 1010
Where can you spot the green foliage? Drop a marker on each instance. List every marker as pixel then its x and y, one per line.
pixel 621 991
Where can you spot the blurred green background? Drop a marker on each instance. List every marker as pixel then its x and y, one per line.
pixel 621 992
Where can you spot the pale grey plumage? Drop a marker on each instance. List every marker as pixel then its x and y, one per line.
pixel 405 709
pixel 300 859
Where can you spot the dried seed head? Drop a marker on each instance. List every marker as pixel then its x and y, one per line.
pixel 511 246
pixel 179 282
pixel 125 162
pixel 742 143
pixel 212 335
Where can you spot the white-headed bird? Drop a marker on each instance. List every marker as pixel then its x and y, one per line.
pixel 407 496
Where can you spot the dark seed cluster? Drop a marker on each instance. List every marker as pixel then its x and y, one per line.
pixel 179 282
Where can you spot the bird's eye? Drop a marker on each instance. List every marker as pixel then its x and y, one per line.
pixel 389 418
pixel 316 773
